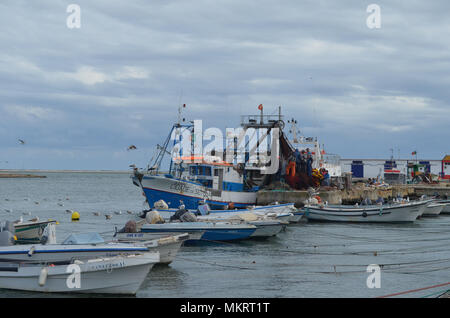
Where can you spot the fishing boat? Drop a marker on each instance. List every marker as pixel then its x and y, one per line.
pixel 109 275
pixel 389 213
pixel 30 231
pixel 211 231
pixel 434 209
pixel 216 177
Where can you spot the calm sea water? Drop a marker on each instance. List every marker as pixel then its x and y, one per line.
pixel 307 260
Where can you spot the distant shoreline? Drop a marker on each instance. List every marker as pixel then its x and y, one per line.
pixel 31 173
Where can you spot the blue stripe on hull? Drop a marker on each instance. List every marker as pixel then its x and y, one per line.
pixel 173 200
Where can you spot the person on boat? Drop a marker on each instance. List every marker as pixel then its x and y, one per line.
pixel 326 178
pixel 380 201
pixel 309 162
pixel 303 159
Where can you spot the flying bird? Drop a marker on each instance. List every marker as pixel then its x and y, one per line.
pixel 131 147
pixel 22 142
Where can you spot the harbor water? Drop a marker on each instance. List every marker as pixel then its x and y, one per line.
pixel 307 260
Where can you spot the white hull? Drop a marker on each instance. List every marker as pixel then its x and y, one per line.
pixel 434 209
pixel 167 245
pixel 386 214
pixel 117 275
pixel 267 229
pixel 446 209
pixel 30 231
pixel 58 253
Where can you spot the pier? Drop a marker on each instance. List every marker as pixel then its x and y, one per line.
pixel 355 194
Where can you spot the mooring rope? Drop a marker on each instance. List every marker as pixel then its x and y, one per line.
pixel 414 290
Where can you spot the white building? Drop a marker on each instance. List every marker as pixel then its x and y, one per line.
pixel 373 168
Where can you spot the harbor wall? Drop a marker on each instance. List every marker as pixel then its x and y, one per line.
pixel 353 195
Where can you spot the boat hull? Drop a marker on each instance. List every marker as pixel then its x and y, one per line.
pixel 30 232
pixel 167 245
pixel 434 209
pixel 390 214
pixel 117 275
pixel 63 253
pixel 210 231
pixel 446 209
pixel 174 191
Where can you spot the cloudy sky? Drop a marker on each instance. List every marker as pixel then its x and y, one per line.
pixel 80 96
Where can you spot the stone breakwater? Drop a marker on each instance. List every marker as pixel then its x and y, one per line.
pixel 19 175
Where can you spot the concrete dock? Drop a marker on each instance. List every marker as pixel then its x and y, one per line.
pixel 353 195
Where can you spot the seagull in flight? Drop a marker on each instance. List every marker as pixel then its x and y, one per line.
pixel 22 142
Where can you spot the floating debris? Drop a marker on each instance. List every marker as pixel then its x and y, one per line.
pixel 108 216
pixel 96 213
pixel 118 212
pixel 8 210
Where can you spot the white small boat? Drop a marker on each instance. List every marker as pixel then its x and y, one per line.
pixel 401 212
pixel 446 209
pixel 113 275
pixel 265 225
pixel 211 231
pixel 30 231
pixel 434 209
pixel 282 212
pixel 76 246
pixel 167 244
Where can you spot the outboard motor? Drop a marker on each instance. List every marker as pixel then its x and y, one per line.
pixel 8 226
pixel 49 235
pixel 7 238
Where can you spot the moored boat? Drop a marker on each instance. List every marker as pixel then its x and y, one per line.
pixel 392 213
pixel 211 231
pixel 112 275
pixel 434 209
pixel 446 209
pixel 76 246
pixel 265 226
pixel 30 231
pixel 167 244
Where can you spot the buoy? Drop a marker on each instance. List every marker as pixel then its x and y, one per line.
pixel 75 216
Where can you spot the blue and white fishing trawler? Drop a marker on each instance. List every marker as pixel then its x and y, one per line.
pixel 202 177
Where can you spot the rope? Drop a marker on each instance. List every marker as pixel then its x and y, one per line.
pixel 442 292
pixel 214 264
pixel 414 290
